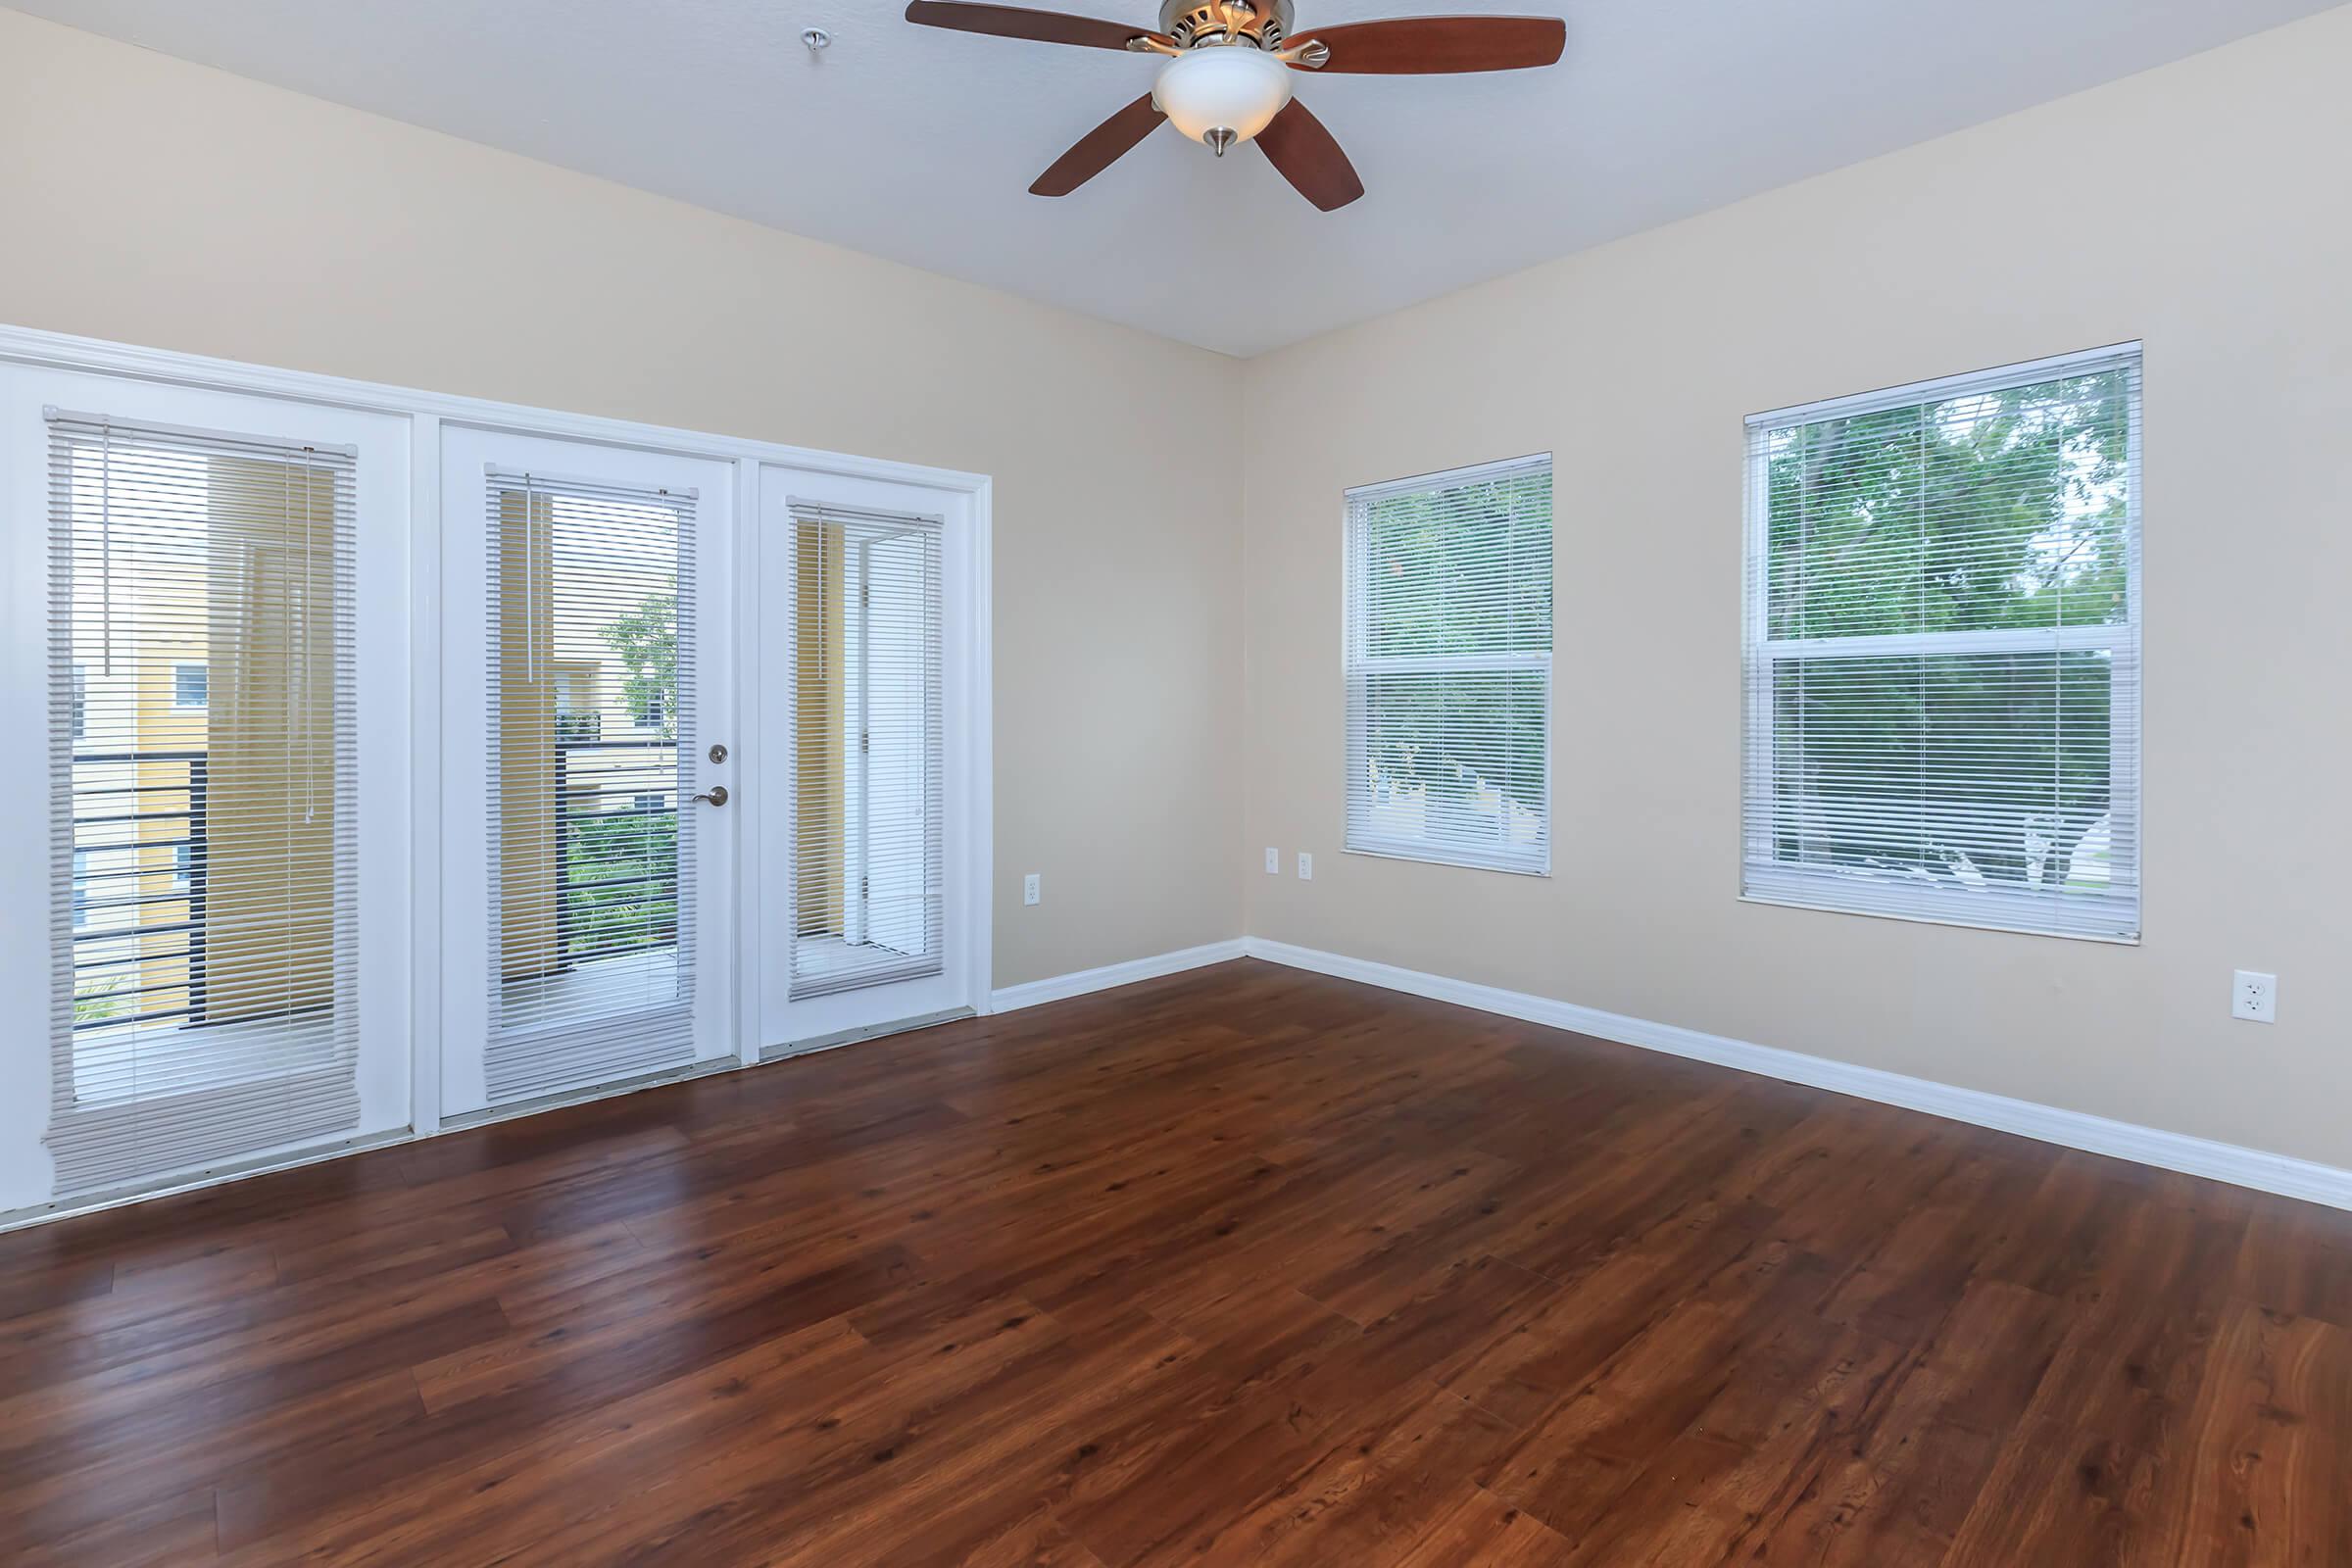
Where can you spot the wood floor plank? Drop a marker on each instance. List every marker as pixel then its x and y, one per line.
pixel 2266 1438
pixel 892 1483
pixel 1245 1265
pixel 1728 1482
pixel 564 1470
pixel 1473 1526
pixel 1921 1454
pixel 177 1529
pixel 2297 1260
pixel 1621 1405
pixel 1369 1488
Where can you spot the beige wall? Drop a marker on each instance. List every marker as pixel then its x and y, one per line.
pixel 2201 208
pixel 159 202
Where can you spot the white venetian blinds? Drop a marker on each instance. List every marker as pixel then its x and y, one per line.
pixel 204 814
pixel 868 806
pixel 1448 667
pixel 1944 651
pixel 591 732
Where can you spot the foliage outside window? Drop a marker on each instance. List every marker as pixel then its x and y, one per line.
pixel 1448 667
pixel 646 643
pixel 620 883
pixel 1943 669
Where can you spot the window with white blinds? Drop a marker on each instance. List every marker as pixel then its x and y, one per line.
pixel 1448 667
pixel 204 810
pixel 1942 670
pixel 868 812
pixel 591 735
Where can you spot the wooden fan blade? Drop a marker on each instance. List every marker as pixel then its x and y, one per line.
pixel 1039 26
pixel 1309 157
pixel 1426 46
pixel 1100 148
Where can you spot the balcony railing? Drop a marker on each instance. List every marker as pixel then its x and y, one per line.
pixel 148 1001
pixel 617 889
pixel 616 864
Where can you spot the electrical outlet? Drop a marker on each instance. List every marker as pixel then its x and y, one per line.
pixel 1273 862
pixel 1307 866
pixel 2254 997
pixel 1029 889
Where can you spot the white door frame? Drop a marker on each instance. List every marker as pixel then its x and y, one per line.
pixel 466 633
pixel 385 848
pixel 967 980
pixel 427 412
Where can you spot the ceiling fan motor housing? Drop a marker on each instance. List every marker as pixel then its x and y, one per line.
pixel 1264 24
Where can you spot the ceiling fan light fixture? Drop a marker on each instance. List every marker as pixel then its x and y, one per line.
pixel 1221 94
pixel 1227 76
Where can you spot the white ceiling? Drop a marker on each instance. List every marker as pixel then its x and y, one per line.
pixel 920 144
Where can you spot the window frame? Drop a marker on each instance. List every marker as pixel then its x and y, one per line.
pixel 180 676
pixel 1764 880
pixel 1355 669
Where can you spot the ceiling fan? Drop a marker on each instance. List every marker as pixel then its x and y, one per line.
pixel 1227 79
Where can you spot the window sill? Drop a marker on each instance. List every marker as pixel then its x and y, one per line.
pixel 1426 856
pixel 1959 919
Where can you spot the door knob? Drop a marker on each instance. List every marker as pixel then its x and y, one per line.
pixel 716 795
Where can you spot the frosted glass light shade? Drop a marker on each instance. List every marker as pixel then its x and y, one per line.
pixel 1223 87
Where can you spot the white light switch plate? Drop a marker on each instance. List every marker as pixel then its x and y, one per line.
pixel 1273 862
pixel 2254 997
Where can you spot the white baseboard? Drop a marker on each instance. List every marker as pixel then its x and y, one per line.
pixel 1061 986
pixel 2072 1129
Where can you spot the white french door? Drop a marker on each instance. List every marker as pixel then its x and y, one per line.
pixel 383 764
pixel 862 653
pixel 588 878
pixel 204 902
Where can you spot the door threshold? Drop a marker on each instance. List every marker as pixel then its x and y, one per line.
pixel 850 1037
pixel 587 1094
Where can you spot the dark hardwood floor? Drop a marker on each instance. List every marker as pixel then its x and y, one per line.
pixel 1245 1266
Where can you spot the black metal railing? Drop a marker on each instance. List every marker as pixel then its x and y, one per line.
pixel 196 786
pixel 617 897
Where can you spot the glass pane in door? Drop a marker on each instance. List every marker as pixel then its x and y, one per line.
pixel 591 732
pixel 867 731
